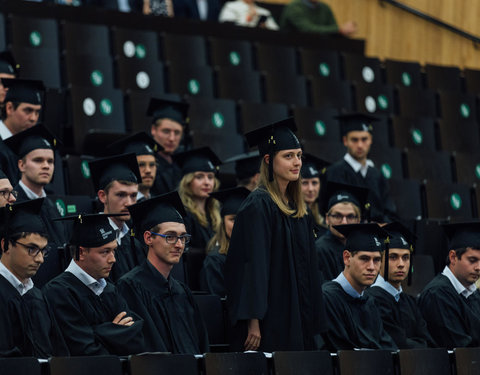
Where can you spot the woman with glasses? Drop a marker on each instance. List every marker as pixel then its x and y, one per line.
pixel 172 321
pixel 342 204
pixel 272 280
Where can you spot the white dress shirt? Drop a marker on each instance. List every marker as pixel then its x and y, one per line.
pixel 466 292
pixel 357 166
pixel 12 279
pixel 96 286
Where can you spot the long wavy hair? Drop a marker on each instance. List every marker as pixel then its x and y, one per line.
pixel 219 240
pixel 212 207
pixel 294 193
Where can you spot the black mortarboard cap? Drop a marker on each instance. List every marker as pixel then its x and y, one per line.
pixel 356 122
pixel 161 209
pixel 171 109
pixel 246 165
pixel 36 137
pixel 8 64
pixel 139 143
pixel 3 175
pixel 24 91
pixel 198 160
pixel 90 230
pixel 115 168
pixel 231 199
pixel 313 166
pixel 24 217
pixel 336 192
pixel 363 237
pixel 465 234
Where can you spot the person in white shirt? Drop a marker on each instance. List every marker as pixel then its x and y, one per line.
pixel 247 13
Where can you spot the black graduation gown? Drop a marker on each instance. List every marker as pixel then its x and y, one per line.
pixel 271 274
pixel 212 279
pixel 200 234
pixel 378 197
pixel 85 319
pixel 452 320
pixel 9 163
pixel 129 254
pixel 56 261
pixel 330 256
pixel 172 319
pixel 27 326
pixel 353 322
pixel 167 178
pixel 402 320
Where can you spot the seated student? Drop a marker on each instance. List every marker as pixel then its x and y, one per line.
pixel 116 181
pixel 342 204
pixel 34 149
pixel 247 169
pixel 92 315
pixel 172 320
pixel 199 168
pixel 7 194
pixel 8 69
pixel 401 317
pixel 353 319
pixel 27 324
pixel 212 279
pixel 450 303
pixel 247 13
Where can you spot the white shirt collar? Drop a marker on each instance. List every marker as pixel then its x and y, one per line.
pixel 120 232
pixel 4 131
pixel 12 279
pixel 96 286
pixel 140 196
pixel 380 282
pixel 466 292
pixel 30 194
pixel 357 166
pixel 347 287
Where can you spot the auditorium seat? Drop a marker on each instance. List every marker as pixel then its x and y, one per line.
pixel 304 363
pixel 328 92
pixel 365 362
pixel 328 150
pixel 224 145
pixel 54 114
pixel 193 80
pixel 413 102
pixel 135 44
pixel 255 115
pixel 239 84
pixel 448 200
pixel 476 200
pixel 317 124
pixel 374 98
pixel 388 160
pixel 322 63
pixel 72 204
pixel 85 365
pixel 458 136
pixel 86 39
pixel 162 363
pixel 467 167
pixel 430 165
pixel 443 77
pixel 32 32
pixel 236 364
pixel 231 53
pixel 424 361
pixel 290 89
pixel 414 133
pixel 77 175
pixel 467 361
pixel 431 240
pixel 423 273
pixel 140 75
pixel 211 309
pixel 39 64
pixel 89 71
pixel 457 107
pixel 407 196
pixel 20 366
pixel 185 50
pixel 276 59
pixel 359 68
pixel 381 132
pixel 403 73
pixel 472 81
pixel 3 37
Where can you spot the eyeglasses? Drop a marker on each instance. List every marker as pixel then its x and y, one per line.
pixel 34 250
pixel 172 239
pixel 338 218
pixel 6 194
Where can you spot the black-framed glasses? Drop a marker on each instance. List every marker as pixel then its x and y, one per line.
pixel 6 193
pixel 338 218
pixel 34 250
pixel 172 238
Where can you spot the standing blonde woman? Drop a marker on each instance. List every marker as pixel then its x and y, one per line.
pixel 273 284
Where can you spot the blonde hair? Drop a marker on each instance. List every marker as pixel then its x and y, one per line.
pixel 220 239
pixel 212 207
pixel 294 193
pixel 356 209
pixel 319 219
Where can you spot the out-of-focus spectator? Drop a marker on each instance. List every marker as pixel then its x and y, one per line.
pixel 313 16
pixel 206 10
pixel 155 7
pixel 247 13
